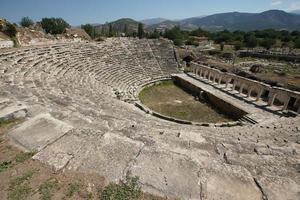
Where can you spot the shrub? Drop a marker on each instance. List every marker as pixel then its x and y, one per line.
pixel 297 43
pixel 238 45
pixel 11 30
pixel 89 29
pixel 54 25
pixel 154 35
pixel 26 22
pixel 222 46
pixel 192 41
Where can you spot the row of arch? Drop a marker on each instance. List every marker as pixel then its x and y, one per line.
pixel 287 99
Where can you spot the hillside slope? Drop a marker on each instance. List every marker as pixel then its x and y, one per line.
pixel 272 19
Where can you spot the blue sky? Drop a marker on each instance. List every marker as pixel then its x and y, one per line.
pixel 77 12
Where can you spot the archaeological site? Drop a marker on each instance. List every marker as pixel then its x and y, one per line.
pixel 131 105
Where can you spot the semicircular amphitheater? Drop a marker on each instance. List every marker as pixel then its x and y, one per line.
pixel 82 114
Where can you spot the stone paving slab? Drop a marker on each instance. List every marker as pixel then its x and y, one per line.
pixel 38 132
pixel 230 182
pixel 107 154
pixel 166 173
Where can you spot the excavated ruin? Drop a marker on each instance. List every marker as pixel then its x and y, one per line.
pixel 78 99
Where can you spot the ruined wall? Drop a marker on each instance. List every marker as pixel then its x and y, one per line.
pixel 289 58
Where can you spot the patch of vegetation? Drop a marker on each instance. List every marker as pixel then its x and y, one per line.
pixel 170 100
pixel 22 157
pixel 20 192
pixel 54 25
pixel 141 32
pixel 126 190
pixel 26 22
pixel 5 165
pixel 19 187
pixel 46 189
pixel 5 122
pixel 148 89
pixel 73 189
pixel 90 30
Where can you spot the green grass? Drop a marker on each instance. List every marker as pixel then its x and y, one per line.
pixel 46 189
pixel 19 188
pixel 73 189
pixel 20 158
pixel 5 165
pixel 127 190
pixel 6 122
pixel 170 100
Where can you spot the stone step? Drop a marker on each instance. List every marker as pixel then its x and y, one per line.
pixel 12 112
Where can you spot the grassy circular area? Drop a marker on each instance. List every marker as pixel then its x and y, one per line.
pixel 168 99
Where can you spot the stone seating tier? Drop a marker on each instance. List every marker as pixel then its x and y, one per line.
pixel 122 64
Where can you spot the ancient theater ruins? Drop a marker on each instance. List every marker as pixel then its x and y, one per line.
pixel 118 106
pixel 80 101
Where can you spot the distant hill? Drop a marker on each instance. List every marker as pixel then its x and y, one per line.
pixel 296 12
pixel 272 19
pixel 153 21
pixel 275 19
pixel 168 24
pixel 119 25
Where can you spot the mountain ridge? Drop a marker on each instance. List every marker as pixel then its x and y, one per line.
pixel 232 21
pixel 275 19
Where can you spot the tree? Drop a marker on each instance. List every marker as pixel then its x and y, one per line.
pixel 297 43
pixel 295 33
pixel 199 33
pixel 251 41
pixel 141 32
pixel 89 29
pixel 222 46
pixel 10 30
pixel 125 31
pixel 238 45
pixel 176 35
pixel 26 22
pixel 223 36
pixel 111 31
pixel 154 35
pixel 268 43
pixel 54 25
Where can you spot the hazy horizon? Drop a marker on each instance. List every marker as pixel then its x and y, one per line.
pixel 78 12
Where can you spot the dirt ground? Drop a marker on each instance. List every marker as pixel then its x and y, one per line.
pixel 24 178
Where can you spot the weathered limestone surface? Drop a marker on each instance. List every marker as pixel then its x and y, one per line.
pixel 39 131
pixel 75 120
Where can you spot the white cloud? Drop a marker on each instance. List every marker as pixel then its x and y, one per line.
pixel 276 3
pixel 295 6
